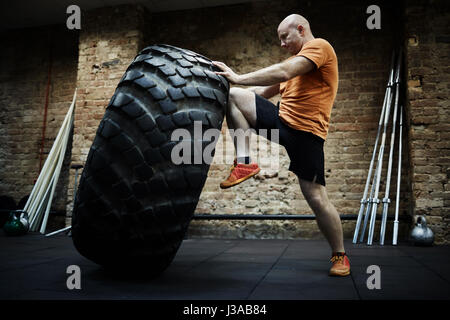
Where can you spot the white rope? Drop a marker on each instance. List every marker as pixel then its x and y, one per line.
pixel 42 194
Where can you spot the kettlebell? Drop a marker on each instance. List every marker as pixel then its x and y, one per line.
pixel 421 234
pixel 17 223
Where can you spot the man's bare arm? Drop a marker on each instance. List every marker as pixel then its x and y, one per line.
pixel 267 92
pixel 269 76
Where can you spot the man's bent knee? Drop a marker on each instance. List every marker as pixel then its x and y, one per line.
pixel 240 96
pixel 236 92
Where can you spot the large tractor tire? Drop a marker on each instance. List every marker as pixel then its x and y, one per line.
pixel 134 204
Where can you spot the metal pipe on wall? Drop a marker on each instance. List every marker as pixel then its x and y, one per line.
pixel 47 91
pixel 275 217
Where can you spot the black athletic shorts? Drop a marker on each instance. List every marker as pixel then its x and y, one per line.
pixel 305 149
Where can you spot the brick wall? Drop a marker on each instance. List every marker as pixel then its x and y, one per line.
pixel 24 66
pixel 428 47
pixel 109 40
pixel 244 36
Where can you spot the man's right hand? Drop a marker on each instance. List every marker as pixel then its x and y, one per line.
pixel 227 72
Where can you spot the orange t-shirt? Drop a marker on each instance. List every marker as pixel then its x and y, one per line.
pixel 306 100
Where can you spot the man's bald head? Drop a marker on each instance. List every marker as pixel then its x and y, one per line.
pixel 294 31
pixel 293 21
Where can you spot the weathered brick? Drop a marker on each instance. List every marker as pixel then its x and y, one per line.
pixel 24 111
pixel 110 39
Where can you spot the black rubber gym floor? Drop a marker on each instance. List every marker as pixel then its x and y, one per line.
pixel 34 267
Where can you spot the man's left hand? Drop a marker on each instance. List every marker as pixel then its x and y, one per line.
pixel 232 76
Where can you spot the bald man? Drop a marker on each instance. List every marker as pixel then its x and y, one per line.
pixel 307 82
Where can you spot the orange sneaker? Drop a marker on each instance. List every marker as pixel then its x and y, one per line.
pixel 239 173
pixel 341 266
